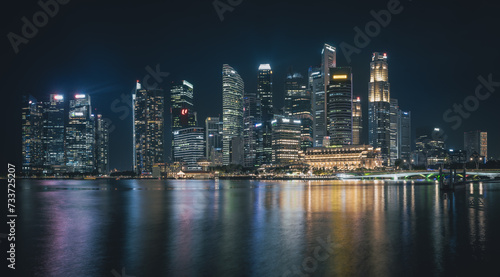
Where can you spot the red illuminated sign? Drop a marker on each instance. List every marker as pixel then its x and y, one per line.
pixel 184 111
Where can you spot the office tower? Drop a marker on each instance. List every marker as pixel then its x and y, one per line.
pixel 32 150
pixel 316 86
pixel 232 109
pixel 148 117
pixel 285 140
pixel 80 136
pixel 252 139
pixel 357 121
pixel 102 145
pixel 298 105
pixel 265 95
pixel 213 137
pixel 339 106
pixel 53 134
pixel 189 146
pixel 404 136
pixel 430 150
pixel 476 143
pixel 379 106
pixel 181 100
pixel 328 60
pixel 237 151
pixel 394 124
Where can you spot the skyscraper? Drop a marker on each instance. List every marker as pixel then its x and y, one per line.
pixel 298 105
pixel 339 106
pixel 265 95
pixel 213 137
pixel 286 139
pixel 181 100
pixel 148 117
pixel 102 145
pixel 189 146
pixel 379 106
pixel 357 121
pixel 33 154
pixel 53 134
pixel 80 136
pixel 252 139
pixel 404 136
pixel 316 86
pixel 476 143
pixel 394 123
pixel 232 109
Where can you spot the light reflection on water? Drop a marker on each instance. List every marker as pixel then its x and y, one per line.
pixel 255 228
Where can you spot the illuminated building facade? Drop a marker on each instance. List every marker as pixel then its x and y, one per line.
pixel 102 145
pixel 339 106
pixel 53 134
pixel 379 105
pixel 252 135
pixel 232 109
pixel 181 100
pixel 298 105
pixel 285 139
pixel 80 136
pixel 347 157
pixel 404 136
pixel 394 124
pixel 148 117
pixel 265 95
pixel 189 146
pixel 213 136
pixel 32 147
pixel 357 121
pixel 316 86
pixel 476 143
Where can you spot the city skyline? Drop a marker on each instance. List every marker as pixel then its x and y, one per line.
pixel 414 83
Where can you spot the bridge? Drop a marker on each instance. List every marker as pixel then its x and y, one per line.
pixel 410 174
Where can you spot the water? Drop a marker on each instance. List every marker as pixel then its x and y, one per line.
pixel 256 228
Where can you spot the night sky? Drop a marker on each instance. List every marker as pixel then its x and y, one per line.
pixel 437 51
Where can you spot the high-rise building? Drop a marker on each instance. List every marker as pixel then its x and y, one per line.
pixel 394 124
pixel 232 109
pixel 316 86
pixel 148 117
pixel 476 143
pixel 265 95
pixel 285 139
pixel 357 121
pixel 213 137
pixel 237 151
pixel 32 147
pixel 181 100
pixel 53 135
pixel 404 136
pixel 298 105
pixel 339 106
pixel 252 139
pixel 102 145
pixel 189 146
pixel 80 136
pixel 379 106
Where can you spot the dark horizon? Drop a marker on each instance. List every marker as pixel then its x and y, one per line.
pixel 436 55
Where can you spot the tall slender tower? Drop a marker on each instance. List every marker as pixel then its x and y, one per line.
pixel 298 105
pixel 265 95
pixel 232 109
pixel 148 129
pixel 80 136
pixel 394 123
pixel 379 105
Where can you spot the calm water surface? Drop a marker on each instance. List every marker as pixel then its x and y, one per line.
pixel 256 228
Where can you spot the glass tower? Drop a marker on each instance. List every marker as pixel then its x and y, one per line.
pixel 53 134
pixel 265 95
pixel 339 106
pixel 148 129
pixel 357 121
pixel 298 105
pixel 232 109
pixel 80 136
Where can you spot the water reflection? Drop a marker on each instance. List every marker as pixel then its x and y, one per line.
pixel 257 228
